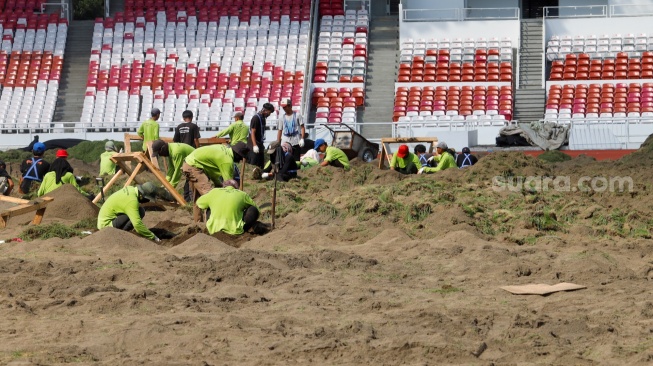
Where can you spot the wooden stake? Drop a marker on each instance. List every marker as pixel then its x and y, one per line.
pixel 242 175
pixel 275 169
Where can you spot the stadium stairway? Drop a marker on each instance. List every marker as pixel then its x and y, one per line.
pixel 530 94
pixel 381 75
pixel 72 86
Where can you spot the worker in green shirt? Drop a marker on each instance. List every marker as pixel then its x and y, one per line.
pixel 212 163
pixel 107 166
pixel 334 156
pixel 176 154
pixel 122 209
pixel 60 173
pixel 229 210
pixel 149 130
pixel 404 162
pixel 444 159
pixel 237 131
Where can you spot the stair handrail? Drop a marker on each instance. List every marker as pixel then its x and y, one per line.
pixel 308 74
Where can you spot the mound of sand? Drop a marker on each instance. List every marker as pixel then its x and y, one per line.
pixel 69 204
pixel 110 238
pixel 508 164
pixel 201 243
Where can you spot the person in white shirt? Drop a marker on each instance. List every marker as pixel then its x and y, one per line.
pixel 291 129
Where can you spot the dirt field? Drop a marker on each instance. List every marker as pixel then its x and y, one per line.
pixel 364 267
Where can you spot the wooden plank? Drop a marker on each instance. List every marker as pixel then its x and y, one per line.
pixel 132 176
pixel 13 200
pixel 162 179
pixel 433 140
pixel 31 206
pixel 39 216
pixel 108 185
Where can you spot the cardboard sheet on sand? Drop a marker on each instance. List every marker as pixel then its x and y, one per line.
pixel 542 289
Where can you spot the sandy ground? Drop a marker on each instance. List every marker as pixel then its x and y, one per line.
pixel 366 267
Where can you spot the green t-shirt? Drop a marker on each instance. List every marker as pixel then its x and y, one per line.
pixel 49 183
pixel 333 154
pixel 445 161
pixel 227 207
pixel 149 131
pixel 237 131
pixel 107 166
pixel 217 161
pixel 401 163
pixel 125 201
pixel 177 153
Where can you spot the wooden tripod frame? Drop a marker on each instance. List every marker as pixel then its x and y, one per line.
pixel 125 161
pixel 24 206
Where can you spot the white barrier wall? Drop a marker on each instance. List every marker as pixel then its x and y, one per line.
pixel 460 29
pixel 432 4
pixel 597 26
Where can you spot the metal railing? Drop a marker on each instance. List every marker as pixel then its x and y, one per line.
pixel 459 14
pixel 308 74
pixel 584 11
pixel 63 13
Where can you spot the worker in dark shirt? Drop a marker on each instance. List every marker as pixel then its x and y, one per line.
pixel 187 132
pixel 257 135
pixel 6 183
pixel 283 156
pixel 34 168
pixel 465 158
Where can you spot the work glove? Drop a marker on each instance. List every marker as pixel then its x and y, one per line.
pixel 156 239
pixel 265 175
pixel 431 158
pixel 421 171
pixel 255 149
pixel 301 143
pixel 304 162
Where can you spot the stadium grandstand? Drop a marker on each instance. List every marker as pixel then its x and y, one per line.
pixel 460 70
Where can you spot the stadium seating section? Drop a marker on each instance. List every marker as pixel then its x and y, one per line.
pixel 478 105
pixel 605 102
pixel 31 59
pixel 336 105
pixel 457 60
pixel 582 67
pixel 179 55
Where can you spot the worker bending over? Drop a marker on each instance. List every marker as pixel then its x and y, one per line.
pixel 405 162
pixel 122 210
pixel 334 156
pixel 230 210
pixel 444 159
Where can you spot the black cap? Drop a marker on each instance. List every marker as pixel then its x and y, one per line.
pixel 159 147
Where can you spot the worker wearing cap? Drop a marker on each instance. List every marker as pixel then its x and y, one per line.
pixel 212 163
pixel 229 210
pixel 122 209
pixel 291 128
pixel 237 131
pixel 6 183
pixel 107 166
pixel 404 161
pixel 149 130
pixel 176 154
pixel 444 159
pixel 334 156
pixel 257 135
pixel 60 173
pixel 33 169
pixel 465 158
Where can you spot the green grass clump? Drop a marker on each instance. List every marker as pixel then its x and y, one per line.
pixel 43 232
pixel 554 156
